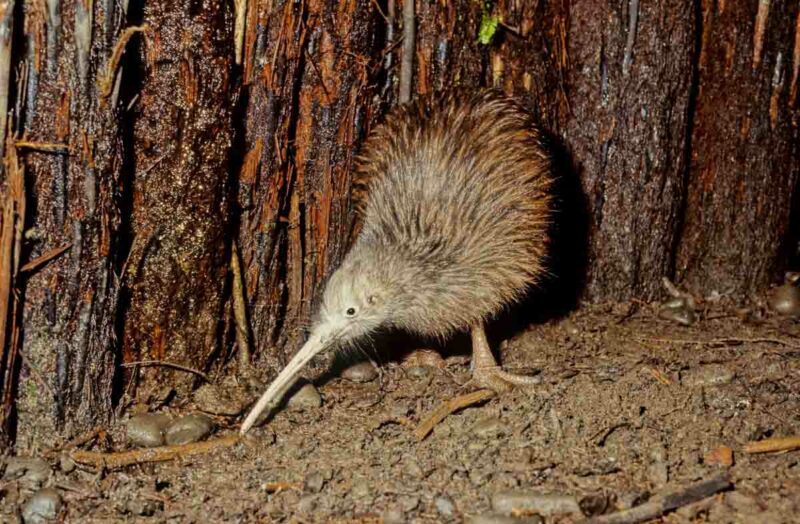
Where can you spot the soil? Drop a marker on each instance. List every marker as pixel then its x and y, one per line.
pixel 629 406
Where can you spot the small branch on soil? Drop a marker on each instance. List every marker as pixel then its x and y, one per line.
pixel 409 45
pixel 106 82
pixel 662 504
pixel 240 311
pixel 725 341
pixel 772 445
pixel 48 147
pixel 44 258
pixel 448 407
pixel 160 454
pixel 282 485
pixel 152 363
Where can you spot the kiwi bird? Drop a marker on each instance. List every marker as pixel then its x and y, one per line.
pixel 454 199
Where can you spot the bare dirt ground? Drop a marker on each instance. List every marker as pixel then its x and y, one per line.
pixel 629 406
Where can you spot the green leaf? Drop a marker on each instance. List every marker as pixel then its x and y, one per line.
pixel 488 28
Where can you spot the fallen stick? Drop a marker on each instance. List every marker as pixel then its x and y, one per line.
pixel 772 445
pixel 659 505
pixel 448 407
pixel 164 363
pixel 121 459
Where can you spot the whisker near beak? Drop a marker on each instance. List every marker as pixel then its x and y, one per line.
pixel 283 381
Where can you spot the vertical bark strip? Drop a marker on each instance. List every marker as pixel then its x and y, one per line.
pixel 745 148
pixel 310 100
pixel 71 304
pixel 629 91
pixel 182 139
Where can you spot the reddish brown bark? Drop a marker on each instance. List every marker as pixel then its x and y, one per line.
pixel 71 303
pixel 745 147
pixel 309 68
pixel 182 137
pixel 630 92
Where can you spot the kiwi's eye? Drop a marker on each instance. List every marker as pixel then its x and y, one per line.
pixel 351 311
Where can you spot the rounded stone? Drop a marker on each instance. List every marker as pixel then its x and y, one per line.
pixel 147 430
pixel 31 471
pixel 418 372
pixel 190 428
pixel 307 397
pixel 360 373
pixel 785 300
pixel 43 506
pixel 490 427
pixel 445 507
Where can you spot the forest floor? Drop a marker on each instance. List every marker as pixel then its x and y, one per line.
pixel 629 406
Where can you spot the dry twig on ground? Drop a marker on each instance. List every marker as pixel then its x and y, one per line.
pixel 121 459
pixel 772 445
pixel 662 504
pixel 448 407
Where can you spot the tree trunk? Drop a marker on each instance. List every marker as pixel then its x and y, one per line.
pixel 745 147
pixel 182 136
pixel 67 102
pixel 308 69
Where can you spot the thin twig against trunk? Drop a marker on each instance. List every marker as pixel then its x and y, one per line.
pixel 662 504
pixel 151 363
pixel 409 47
pixel 44 258
pixel 240 311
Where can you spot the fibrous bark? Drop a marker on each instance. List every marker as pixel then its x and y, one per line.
pixel 745 147
pixel 308 67
pixel 67 101
pixel 182 136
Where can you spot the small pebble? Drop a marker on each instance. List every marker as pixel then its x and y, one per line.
pixel 495 518
pixel 44 505
pixel 742 503
pixel 658 473
pixel 190 428
pixel 360 489
pixel 314 482
pixel 570 328
pixel 543 503
pixel 408 502
pixel 785 300
pixel 721 456
pixel 28 470
pixel 306 397
pixel 424 357
pixel 361 372
pixel 393 516
pixel 147 430
pixel 490 427
pixel 445 507
pixel 708 375
pixel 679 311
pixel 218 401
pixel 143 508
pixel 413 469
pixel 66 464
pixel 418 372
pixel 307 504
pixel 631 499
pixel 593 504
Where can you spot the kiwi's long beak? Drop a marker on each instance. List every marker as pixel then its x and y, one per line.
pixel 284 380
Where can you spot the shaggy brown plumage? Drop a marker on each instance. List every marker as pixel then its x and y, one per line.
pixel 454 195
